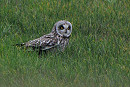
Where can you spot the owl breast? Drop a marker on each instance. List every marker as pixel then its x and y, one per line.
pixel 63 42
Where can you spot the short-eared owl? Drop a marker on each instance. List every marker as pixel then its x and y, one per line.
pixel 59 36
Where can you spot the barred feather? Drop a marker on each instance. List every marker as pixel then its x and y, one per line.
pixel 56 38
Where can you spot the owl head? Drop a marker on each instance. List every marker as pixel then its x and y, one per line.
pixel 63 28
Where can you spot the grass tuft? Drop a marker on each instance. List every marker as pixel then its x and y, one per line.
pixel 97 55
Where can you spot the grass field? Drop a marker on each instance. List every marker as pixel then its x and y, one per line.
pixel 97 55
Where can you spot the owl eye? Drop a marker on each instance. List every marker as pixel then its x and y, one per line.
pixel 61 27
pixel 68 28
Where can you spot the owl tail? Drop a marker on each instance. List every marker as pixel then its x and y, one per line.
pixel 20 45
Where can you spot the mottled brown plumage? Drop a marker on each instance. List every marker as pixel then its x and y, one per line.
pixel 59 36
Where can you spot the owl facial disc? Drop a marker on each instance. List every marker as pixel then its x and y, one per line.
pixel 64 28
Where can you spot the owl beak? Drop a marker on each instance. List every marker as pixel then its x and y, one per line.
pixel 66 31
pixel 65 26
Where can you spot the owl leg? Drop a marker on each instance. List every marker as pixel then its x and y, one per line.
pixel 40 52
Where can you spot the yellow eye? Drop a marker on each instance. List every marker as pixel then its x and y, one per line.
pixel 61 28
pixel 68 28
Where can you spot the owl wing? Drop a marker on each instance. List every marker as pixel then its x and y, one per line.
pixel 45 42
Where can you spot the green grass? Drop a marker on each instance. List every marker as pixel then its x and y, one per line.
pixel 98 53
